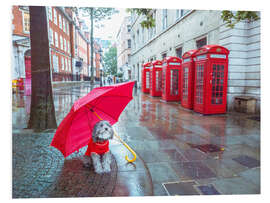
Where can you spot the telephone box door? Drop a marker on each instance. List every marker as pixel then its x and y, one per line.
pixel 185 85
pixel 216 99
pixel 199 86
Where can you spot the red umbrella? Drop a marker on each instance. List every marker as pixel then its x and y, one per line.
pixel 106 103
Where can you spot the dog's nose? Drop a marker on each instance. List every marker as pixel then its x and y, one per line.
pixel 106 128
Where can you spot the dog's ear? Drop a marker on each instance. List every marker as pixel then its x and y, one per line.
pixel 110 129
pixel 94 132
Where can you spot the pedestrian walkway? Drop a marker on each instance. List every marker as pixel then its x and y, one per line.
pixel 41 171
pixel 191 154
pixel 179 153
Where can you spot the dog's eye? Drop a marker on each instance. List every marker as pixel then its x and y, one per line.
pixel 101 125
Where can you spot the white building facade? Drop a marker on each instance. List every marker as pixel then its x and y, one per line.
pixel 124 48
pixel 178 31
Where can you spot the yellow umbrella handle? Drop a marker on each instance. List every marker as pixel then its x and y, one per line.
pixel 125 144
pixel 128 147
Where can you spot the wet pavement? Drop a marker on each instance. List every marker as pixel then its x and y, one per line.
pixel 179 153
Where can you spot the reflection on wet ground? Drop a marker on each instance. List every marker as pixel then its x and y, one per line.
pixel 183 153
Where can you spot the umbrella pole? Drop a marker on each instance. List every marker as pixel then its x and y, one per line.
pixel 128 147
pixel 125 144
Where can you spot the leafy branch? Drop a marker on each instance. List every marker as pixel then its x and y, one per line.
pixel 231 18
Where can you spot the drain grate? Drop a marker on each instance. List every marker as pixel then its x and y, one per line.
pixel 181 188
pixel 208 189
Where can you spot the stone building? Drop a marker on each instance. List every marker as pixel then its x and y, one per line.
pixel 124 49
pixel 20 40
pixel 178 31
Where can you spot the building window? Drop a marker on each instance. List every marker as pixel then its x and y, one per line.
pixel 50 13
pixel 164 55
pixel 201 42
pixel 129 43
pixel 60 21
pixel 128 28
pixel 67 30
pixel 179 52
pixel 62 63
pixel 128 58
pixel 55 63
pixel 134 43
pixel 26 22
pixel 51 36
pixel 65 45
pixel 55 16
pixel 64 25
pixel 180 13
pixel 61 42
pixel 165 18
pixel 138 37
pixel 66 64
pixel 56 39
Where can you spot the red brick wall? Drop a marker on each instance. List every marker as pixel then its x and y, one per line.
pixel 61 53
pixel 17 22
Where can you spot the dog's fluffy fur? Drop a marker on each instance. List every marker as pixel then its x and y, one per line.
pixel 102 131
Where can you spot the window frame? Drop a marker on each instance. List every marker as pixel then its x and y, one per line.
pixel 55 16
pixel 24 21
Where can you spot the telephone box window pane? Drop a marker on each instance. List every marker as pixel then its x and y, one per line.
pixel 199 84
pixel 163 81
pixel 217 85
pixel 150 80
pixel 185 83
pixel 147 79
pixel 158 80
pixel 174 82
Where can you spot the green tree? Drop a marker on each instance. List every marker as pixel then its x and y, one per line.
pixel 42 115
pixel 149 21
pixel 231 18
pixel 110 61
pixel 96 15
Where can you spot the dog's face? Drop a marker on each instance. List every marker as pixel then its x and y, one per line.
pixel 102 131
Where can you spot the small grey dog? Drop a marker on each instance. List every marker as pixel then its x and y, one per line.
pixel 98 152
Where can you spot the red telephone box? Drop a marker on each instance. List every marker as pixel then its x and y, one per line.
pixel 187 79
pixel 211 75
pixel 156 79
pixel 171 74
pixel 146 77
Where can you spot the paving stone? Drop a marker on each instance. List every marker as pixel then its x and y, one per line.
pixel 247 161
pixel 252 175
pixel 236 185
pixel 162 172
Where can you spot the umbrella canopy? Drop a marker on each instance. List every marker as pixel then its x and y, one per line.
pixel 108 102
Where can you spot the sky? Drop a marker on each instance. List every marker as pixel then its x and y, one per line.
pixel 111 27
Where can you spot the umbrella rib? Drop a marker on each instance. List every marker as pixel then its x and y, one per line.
pixel 97 101
pixel 94 106
pixel 105 112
